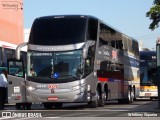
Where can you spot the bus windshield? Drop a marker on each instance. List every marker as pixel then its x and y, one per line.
pixel 58 31
pixel 148 72
pixel 54 66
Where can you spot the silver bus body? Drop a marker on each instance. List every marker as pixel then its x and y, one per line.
pixel 104 70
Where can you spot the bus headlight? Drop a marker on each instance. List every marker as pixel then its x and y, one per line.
pixel 30 88
pixel 75 87
pixel 78 87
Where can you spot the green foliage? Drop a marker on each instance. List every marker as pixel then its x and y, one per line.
pixel 154 15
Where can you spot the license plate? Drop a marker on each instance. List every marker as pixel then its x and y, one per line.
pixel 147 94
pixel 52 98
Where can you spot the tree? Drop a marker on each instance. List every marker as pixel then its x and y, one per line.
pixel 154 14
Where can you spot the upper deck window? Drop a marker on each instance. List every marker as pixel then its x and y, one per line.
pixel 58 31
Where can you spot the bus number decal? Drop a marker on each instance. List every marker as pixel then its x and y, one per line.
pixel 53 86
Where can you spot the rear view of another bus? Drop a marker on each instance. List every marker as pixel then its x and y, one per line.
pixel 147 74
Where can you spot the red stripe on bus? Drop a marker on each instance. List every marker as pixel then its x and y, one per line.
pixel 102 79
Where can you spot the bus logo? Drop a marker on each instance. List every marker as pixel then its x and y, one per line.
pixel 55 75
pixel 52 91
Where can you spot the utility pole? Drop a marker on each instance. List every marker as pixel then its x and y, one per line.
pixel 158 69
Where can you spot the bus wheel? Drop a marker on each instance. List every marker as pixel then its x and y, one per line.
pixel 134 93
pixel 130 96
pixel 58 105
pixel 94 104
pixel 101 100
pixel 48 105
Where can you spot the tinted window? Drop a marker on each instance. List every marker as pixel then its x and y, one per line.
pixel 147 74
pixel 8 54
pixel 92 29
pixel 109 36
pixel 15 68
pixel 58 31
pixel 135 48
pixel 130 44
pixel 125 47
pixel 105 35
pixel 89 62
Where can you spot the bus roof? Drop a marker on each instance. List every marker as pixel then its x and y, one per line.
pixel 67 16
pixel 83 16
pixel 147 54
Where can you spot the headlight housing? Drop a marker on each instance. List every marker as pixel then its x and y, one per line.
pixel 30 88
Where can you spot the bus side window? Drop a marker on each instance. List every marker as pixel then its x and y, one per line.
pixel 120 45
pixel 117 44
pixel 129 40
pixel 135 48
pixel 102 42
pixel 16 69
pixel 113 44
pixel 92 29
pixel 105 35
pixel 104 65
pixel 8 54
pixel 89 62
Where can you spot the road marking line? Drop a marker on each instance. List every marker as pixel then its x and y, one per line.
pixel 51 117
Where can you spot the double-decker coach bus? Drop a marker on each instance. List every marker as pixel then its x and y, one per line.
pixel 75 58
pixel 148 70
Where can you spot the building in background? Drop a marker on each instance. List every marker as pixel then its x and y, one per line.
pixel 11 28
pixel 11 21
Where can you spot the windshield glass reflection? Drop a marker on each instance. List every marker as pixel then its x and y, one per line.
pixel 55 65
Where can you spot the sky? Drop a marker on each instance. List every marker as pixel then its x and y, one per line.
pixel 128 16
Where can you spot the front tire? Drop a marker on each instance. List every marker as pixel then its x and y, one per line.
pixel 95 103
pixel 101 100
pixel 130 97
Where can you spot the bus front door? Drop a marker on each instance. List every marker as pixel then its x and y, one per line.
pixel 16 81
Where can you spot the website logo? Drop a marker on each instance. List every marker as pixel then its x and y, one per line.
pixel 12 5
pixel 6 114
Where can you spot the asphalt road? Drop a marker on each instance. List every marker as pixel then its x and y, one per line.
pixel 140 108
